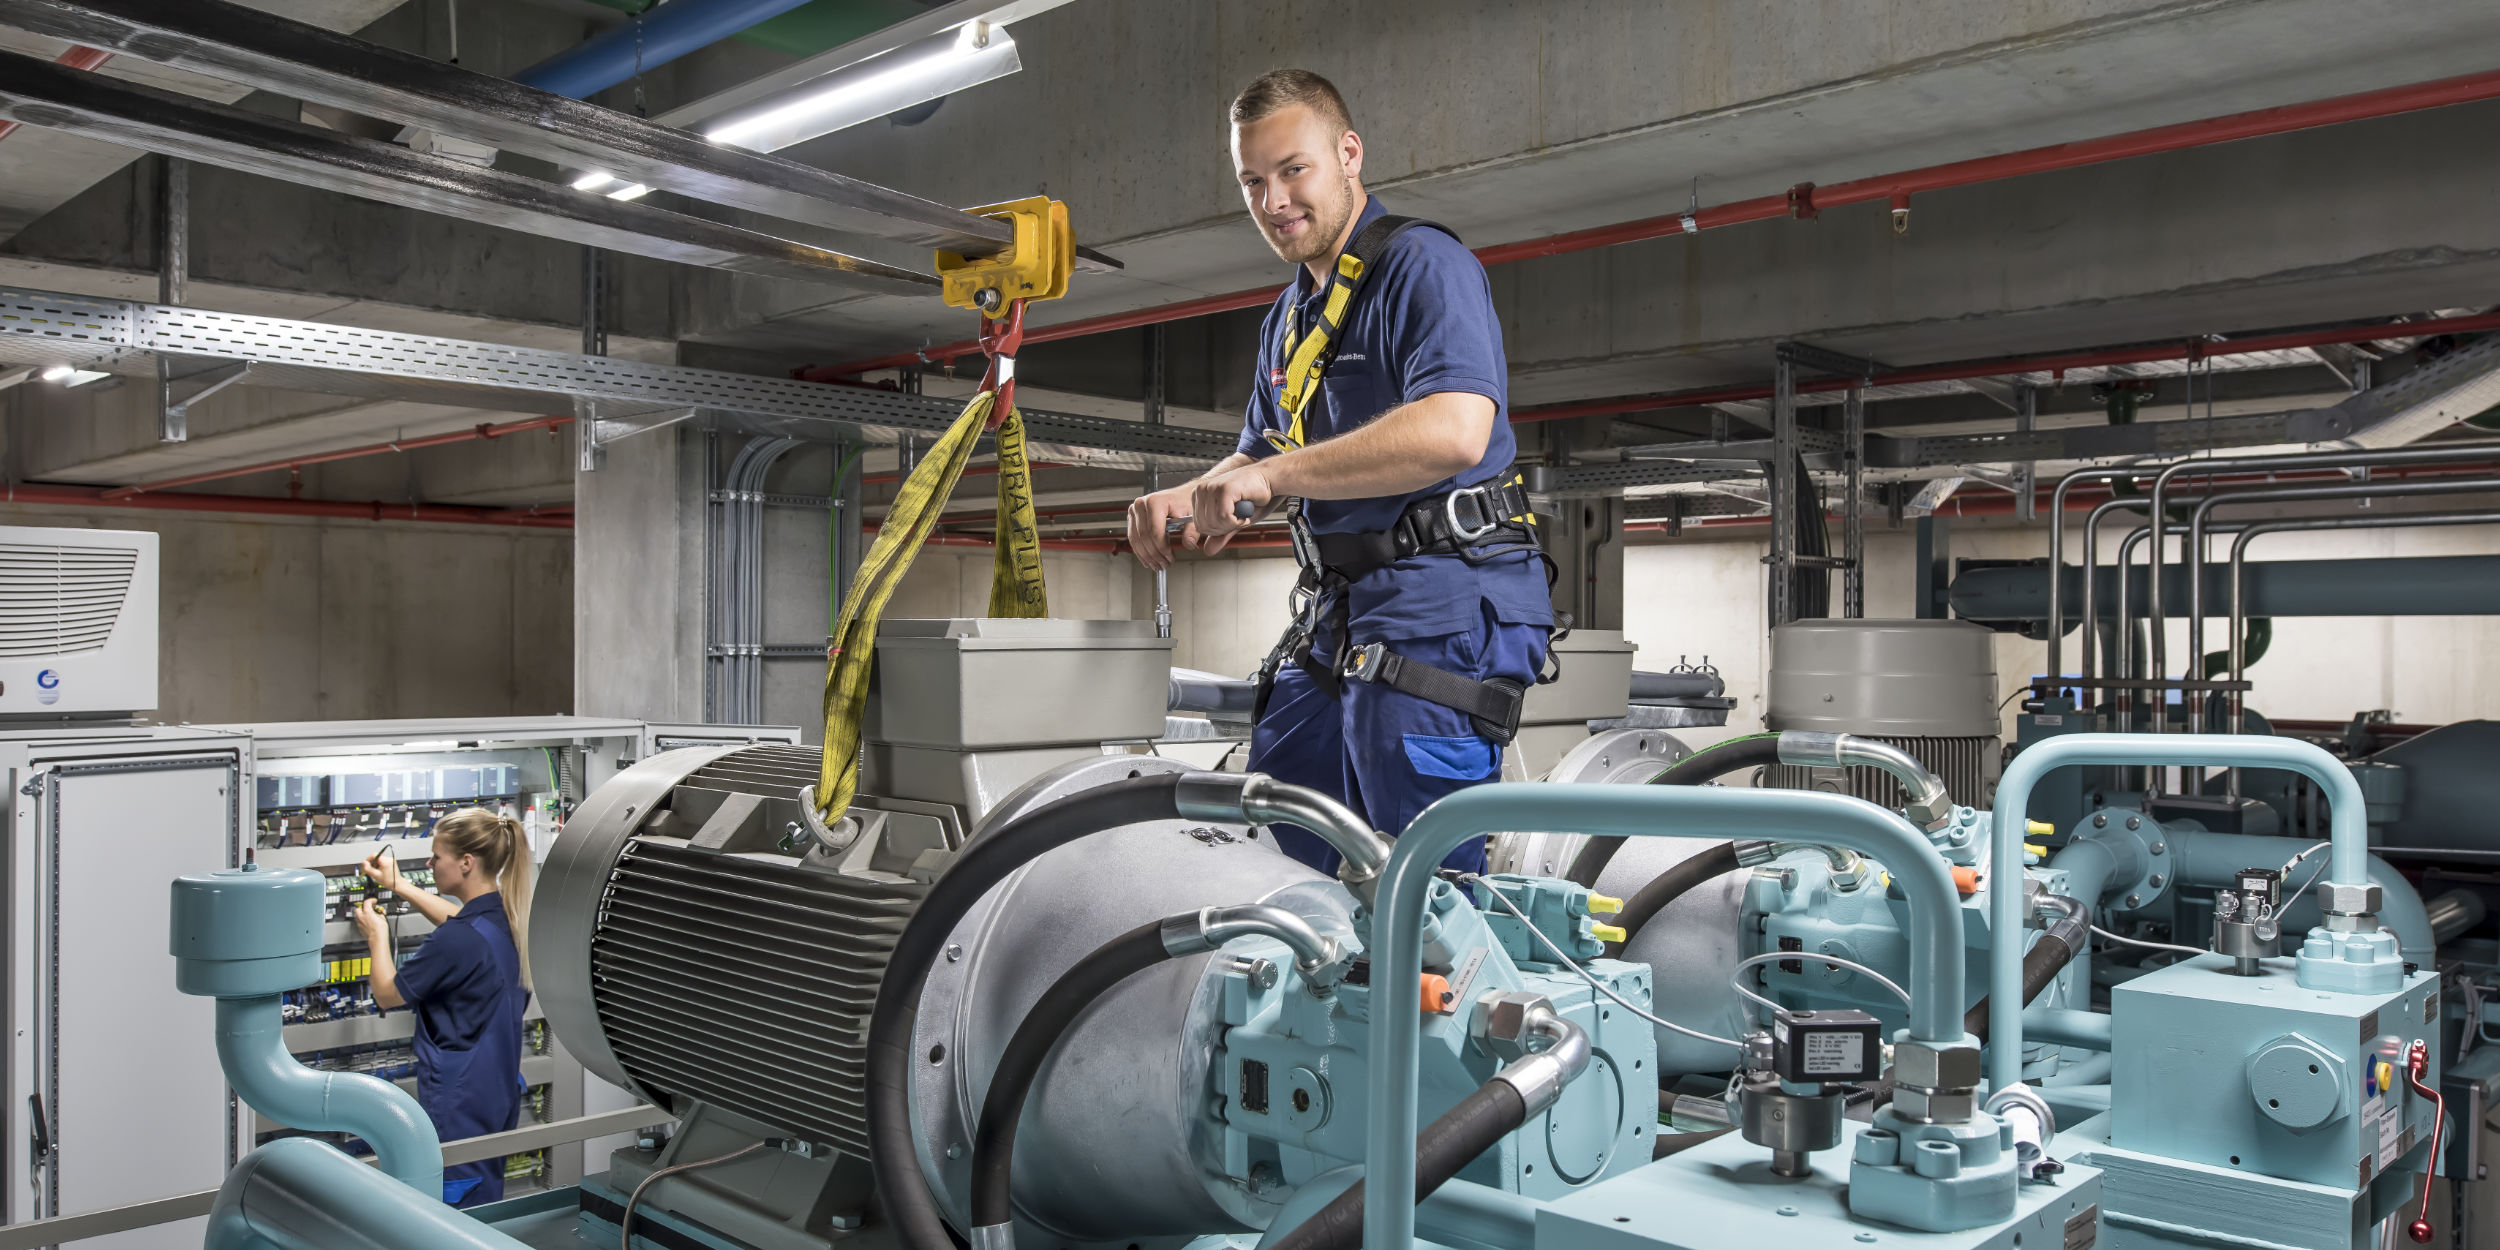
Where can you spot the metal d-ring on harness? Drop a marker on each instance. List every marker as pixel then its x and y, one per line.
pixel 1501 524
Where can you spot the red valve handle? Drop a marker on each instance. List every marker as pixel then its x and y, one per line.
pixel 2418 1061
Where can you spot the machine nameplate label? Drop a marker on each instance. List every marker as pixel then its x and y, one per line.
pixel 2083 1228
pixel 2048 720
pixel 1466 977
pixel 1835 1054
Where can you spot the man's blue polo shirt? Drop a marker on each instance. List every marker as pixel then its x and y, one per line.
pixel 1423 324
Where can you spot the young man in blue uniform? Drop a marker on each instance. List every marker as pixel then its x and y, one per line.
pixel 1380 406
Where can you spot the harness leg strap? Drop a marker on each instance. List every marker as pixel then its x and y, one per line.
pixel 1494 705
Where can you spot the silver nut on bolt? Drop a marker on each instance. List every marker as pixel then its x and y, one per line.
pixel 1931 812
pixel 1500 1024
pixel 1943 1066
pixel 2349 900
pixel 1918 1106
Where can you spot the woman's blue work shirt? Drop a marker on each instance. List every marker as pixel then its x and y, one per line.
pixel 1423 324
pixel 464 984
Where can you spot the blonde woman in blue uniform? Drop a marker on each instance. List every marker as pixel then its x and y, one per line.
pixel 467 984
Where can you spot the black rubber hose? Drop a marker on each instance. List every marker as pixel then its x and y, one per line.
pixel 902 1189
pixel 2041 964
pixel 1668 886
pixel 994 1140
pixel 1708 764
pixel 1452 1142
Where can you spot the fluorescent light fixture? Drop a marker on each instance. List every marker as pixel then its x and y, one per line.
pixel 593 180
pixel 630 191
pixel 68 375
pixel 942 64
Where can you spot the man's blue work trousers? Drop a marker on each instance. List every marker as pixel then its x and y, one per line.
pixel 1386 754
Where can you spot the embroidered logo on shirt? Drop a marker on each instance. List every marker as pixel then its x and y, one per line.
pixel 1350 358
pixel 1276 377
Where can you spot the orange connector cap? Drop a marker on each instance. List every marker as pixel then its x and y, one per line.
pixel 1438 998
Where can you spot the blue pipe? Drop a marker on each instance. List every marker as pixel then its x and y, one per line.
pixel 270 1081
pixel 2349 833
pixel 2067 1026
pixel 652 38
pixel 1935 972
pixel 299 1194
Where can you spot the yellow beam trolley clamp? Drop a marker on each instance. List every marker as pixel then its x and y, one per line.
pixel 1036 267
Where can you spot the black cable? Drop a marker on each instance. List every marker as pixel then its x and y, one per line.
pixel 1668 886
pixel 625 1223
pixel 902 1188
pixel 1446 1145
pixel 2041 964
pixel 1708 764
pixel 994 1140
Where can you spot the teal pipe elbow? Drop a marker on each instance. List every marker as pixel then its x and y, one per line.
pixel 270 1081
pixel 299 1194
pixel 2349 832
pixel 1935 970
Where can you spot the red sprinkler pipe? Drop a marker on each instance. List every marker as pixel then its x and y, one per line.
pixel 90 497
pixel 2194 349
pixel 1806 200
pixel 75 58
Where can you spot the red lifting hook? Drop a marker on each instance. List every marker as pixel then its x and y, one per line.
pixel 1000 339
pixel 2418 1061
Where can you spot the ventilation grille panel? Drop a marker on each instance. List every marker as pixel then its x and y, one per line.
pixel 57 601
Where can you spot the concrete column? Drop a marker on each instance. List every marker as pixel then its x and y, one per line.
pixel 638 580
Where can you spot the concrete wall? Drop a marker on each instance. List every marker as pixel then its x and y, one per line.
pixel 285 618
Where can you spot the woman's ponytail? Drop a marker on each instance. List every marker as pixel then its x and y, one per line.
pixel 515 880
pixel 503 851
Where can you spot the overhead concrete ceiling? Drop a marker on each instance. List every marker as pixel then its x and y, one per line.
pixel 41 169
pixel 2130 67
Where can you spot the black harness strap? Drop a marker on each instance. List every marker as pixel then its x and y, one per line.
pixel 1493 704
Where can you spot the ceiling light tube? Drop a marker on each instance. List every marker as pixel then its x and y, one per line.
pixel 593 180
pixel 969 55
pixel 630 191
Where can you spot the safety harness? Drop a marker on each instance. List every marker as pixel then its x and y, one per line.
pixel 1475 523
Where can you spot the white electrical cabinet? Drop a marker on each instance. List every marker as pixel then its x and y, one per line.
pixel 113 1094
pixel 77 622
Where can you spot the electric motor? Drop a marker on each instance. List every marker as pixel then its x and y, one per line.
pixel 1927 687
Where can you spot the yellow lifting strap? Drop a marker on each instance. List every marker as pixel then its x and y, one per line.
pixel 1036 267
pixel 1016 587
pixel 1307 354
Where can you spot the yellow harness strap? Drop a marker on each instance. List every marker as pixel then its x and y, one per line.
pixel 1015 579
pixel 1307 354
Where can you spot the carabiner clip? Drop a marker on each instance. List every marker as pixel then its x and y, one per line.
pixel 1000 339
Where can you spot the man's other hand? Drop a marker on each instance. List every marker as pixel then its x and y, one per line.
pixel 1147 516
